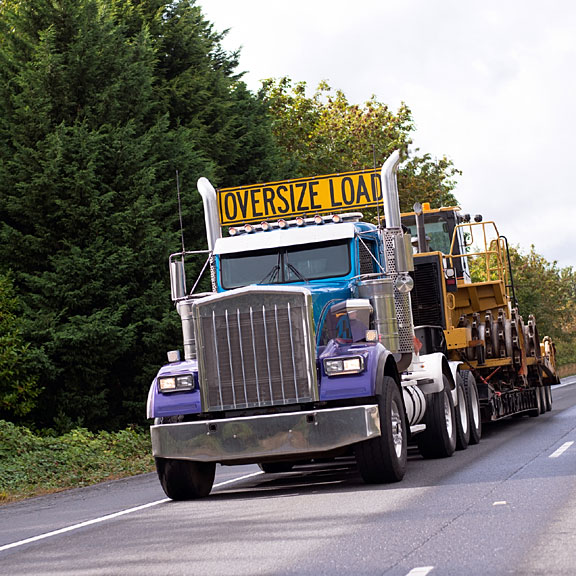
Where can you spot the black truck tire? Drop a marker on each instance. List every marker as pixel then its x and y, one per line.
pixel 537 410
pixel 548 396
pixel 439 438
pixel 383 459
pixel 462 417
pixel 184 479
pixel 275 467
pixel 542 391
pixel 473 401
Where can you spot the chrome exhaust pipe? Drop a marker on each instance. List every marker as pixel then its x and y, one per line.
pixel 213 229
pixel 398 256
pixel 390 191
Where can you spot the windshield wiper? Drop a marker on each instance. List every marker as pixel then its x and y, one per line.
pixel 296 272
pixel 271 276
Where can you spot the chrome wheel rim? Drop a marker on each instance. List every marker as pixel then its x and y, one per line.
pixel 448 414
pixel 462 410
pixel 397 431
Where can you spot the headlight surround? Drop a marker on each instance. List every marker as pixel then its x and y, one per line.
pixel 341 366
pixel 176 383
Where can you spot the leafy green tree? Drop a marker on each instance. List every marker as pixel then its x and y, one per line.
pixel 325 133
pixel 549 293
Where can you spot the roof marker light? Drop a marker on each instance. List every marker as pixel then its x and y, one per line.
pixel 282 224
pixel 336 218
pixel 318 219
pixel 232 231
pixel 265 226
pixel 248 228
pixel 300 221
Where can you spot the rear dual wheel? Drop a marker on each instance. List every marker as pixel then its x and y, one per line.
pixel 473 404
pixel 462 417
pixel 439 438
pixel 548 397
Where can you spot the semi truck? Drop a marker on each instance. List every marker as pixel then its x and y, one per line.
pixel 306 346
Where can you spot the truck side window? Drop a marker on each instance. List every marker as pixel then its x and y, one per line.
pixel 366 254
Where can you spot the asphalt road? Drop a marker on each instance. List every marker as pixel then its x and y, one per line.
pixel 505 506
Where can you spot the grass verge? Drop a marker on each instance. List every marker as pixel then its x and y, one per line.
pixel 31 465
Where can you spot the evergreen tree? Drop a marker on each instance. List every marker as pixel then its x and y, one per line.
pixel 18 382
pixel 100 103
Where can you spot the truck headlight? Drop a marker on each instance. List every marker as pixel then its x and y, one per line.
pixel 176 383
pixel 336 366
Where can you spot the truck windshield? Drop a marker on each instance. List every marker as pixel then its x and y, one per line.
pixel 287 264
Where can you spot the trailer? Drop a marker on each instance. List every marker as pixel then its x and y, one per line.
pixel 464 283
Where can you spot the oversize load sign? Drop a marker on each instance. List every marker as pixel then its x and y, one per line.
pixel 304 196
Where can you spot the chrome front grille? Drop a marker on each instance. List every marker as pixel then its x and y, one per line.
pixel 256 348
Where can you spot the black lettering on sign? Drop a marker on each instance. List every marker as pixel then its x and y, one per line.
pixel 313 194
pixel 348 200
pixel 362 192
pixel 332 198
pixel 230 214
pixel 302 186
pixel 243 203
pixel 282 198
pixel 255 202
pixel 268 199
pixel 376 188
pixel 291 198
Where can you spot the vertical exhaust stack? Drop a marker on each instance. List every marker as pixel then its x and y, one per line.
pixel 398 256
pixel 213 229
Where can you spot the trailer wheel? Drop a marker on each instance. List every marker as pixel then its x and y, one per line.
pixel 542 392
pixel 383 459
pixel 439 439
pixel 536 410
pixel 184 479
pixel 473 402
pixel 275 467
pixel 462 417
pixel 548 396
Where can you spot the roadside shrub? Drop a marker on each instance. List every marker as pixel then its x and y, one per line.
pixel 31 464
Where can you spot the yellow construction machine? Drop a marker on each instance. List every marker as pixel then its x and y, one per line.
pixel 463 282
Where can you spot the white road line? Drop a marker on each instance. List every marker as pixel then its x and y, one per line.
pixel 561 450
pixel 420 571
pixel 108 517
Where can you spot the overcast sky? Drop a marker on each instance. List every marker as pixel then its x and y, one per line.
pixel 491 85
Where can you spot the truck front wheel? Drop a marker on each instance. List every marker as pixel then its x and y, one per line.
pixel 184 479
pixel 383 459
pixel 439 439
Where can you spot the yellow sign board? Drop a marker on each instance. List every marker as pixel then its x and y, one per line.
pixel 299 197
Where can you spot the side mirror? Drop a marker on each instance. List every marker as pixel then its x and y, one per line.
pixel 177 280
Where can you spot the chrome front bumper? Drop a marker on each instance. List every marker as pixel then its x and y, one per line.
pixel 264 437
